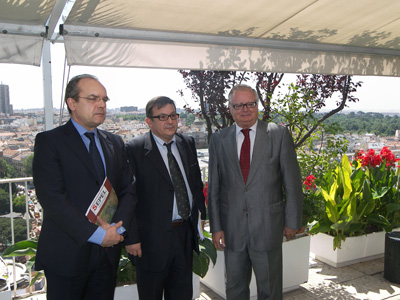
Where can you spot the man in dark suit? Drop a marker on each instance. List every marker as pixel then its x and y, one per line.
pixel 79 258
pixel 163 235
pixel 254 197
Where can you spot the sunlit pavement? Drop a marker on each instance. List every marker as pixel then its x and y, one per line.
pixel 359 281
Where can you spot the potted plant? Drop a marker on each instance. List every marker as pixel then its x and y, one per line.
pixel 312 204
pixel 126 276
pixel 360 198
pixel 25 248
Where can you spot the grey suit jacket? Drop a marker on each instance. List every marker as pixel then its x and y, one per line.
pixel 272 197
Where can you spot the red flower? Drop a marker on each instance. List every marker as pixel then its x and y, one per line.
pixel 370 159
pixel 310 182
pixel 205 189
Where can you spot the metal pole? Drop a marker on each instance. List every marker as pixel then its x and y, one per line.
pixel 47 86
pixel 12 236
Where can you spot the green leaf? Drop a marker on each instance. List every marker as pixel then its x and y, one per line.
pixel 30 263
pixel 379 221
pixel 331 212
pixel 23 248
pixel 323 225
pixel 37 276
pixel 380 192
pixel 207 247
pixel 392 207
pixel 337 243
pixel 200 264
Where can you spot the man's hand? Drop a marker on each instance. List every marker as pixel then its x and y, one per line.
pixel 112 237
pixel 289 232
pixel 134 249
pixel 218 239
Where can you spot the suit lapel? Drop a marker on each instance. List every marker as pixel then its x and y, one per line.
pixel 109 154
pixel 262 148
pixel 77 146
pixel 154 156
pixel 183 153
pixel 230 148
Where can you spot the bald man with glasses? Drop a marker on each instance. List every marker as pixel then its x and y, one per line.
pixel 163 233
pixel 71 162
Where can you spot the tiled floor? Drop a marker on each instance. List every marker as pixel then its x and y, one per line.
pixel 358 281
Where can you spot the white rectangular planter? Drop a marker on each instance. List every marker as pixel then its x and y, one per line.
pixel 5 295
pixel 295 269
pixel 296 254
pixel 126 292
pixel 130 291
pixel 353 250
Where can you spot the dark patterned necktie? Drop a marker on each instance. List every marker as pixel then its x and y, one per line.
pixel 181 195
pixel 245 155
pixel 96 158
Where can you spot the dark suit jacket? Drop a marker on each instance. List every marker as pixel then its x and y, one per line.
pixel 65 182
pixel 153 215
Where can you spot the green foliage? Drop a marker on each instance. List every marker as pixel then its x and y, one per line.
pixel 22 248
pixel 313 204
pixel 358 200
pixel 128 117
pixel 19 204
pixel 126 270
pixel 208 252
pixel 28 165
pixel 4 202
pixel 7 170
pixel 25 248
pixel 189 118
pixel 361 123
pixel 5 230
pixel 318 145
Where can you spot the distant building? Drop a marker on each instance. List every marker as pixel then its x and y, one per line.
pixel 128 108
pixel 5 106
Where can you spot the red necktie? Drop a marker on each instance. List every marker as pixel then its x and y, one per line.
pixel 245 154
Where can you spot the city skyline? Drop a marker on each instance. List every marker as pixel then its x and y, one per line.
pixel 136 86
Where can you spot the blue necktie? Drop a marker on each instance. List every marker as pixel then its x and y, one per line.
pixel 96 158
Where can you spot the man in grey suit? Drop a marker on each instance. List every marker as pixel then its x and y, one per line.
pixel 254 197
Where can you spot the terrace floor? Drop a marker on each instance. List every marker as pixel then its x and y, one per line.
pixel 359 281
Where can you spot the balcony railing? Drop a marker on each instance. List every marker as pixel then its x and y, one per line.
pixel 22 181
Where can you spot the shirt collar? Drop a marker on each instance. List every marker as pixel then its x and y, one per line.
pixel 253 128
pixel 82 130
pixel 159 141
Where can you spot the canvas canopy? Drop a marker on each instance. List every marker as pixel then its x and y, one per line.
pixel 359 37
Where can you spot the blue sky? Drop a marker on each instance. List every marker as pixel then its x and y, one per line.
pixel 134 86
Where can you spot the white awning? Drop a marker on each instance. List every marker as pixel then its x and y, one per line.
pixel 359 37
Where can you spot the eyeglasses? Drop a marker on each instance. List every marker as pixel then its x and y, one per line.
pixel 95 98
pixel 173 116
pixel 248 105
